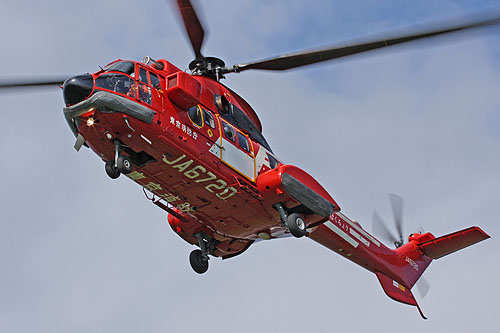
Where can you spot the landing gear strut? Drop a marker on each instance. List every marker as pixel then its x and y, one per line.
pixel 294 222
pixel 121 163
pixel 199 258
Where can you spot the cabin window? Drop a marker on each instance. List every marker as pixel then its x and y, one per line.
pixel 273 162
pixel 229 132
pixel 209 119
pixel 194 114
pixel 243 142
pixel 155 81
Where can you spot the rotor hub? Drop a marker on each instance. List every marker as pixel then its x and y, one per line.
pixel 207 66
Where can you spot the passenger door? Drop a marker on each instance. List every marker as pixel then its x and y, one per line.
pixel 237 150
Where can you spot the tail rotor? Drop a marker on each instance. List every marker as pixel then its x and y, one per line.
pixel 380 227
pixel 381 230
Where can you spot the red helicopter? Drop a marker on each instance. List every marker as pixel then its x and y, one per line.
pixel 198 148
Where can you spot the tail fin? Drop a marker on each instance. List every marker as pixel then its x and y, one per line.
pixel 418 254
pixel 398 292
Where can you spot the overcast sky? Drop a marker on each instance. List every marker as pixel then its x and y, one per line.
pixel 80 252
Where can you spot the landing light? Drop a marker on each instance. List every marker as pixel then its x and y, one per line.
pixel 90 122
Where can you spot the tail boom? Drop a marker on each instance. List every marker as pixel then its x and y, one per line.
pixel 397 270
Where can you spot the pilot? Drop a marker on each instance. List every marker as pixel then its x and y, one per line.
pixel 145 93
pixel 132 92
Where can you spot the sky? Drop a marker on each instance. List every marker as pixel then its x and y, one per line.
pixel 80 252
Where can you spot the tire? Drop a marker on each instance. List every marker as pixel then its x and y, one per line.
pixel 296 224
pixel 198 264
pixel 124 164
pixel 111 170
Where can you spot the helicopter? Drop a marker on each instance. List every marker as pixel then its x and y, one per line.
pixel 198 147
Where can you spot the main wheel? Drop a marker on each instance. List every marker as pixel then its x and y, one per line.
pixel 198 263
pixel 296 224
pixel 111 170
pixel 124 164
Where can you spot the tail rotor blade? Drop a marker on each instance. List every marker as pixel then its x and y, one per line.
pixel 397 204
pixel 380 229
pixel 423 287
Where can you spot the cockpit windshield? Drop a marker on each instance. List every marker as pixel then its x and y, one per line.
pixel 123 67
pixel 117 82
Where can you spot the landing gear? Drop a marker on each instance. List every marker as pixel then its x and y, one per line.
pixel 198 262
pixel 111 170
pixel 296 224
pixel 199 258
pixel 121 163
pixel 124 164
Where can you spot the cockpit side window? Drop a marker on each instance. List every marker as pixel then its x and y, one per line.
pixel 194 114
pixel 143 75
pixel 155 81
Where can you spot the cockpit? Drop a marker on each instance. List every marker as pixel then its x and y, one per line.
pixel 123 78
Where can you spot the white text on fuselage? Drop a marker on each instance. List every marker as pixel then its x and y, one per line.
pixel 184 128
pixel 156 188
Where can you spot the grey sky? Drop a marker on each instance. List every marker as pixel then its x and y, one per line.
pixel 82 253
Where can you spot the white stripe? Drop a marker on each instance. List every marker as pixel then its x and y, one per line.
pixel 358 236
pixel 341 233
pixel 358 228
pixel 145 139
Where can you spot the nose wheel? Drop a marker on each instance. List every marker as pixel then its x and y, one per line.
pixel 124 164
pixel 111 169
pixel 121 163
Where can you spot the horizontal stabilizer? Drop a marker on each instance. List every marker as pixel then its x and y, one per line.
pixel 397 291
pixel 444 245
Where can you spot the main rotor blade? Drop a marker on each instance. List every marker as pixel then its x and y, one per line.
pixel 299 59
pixel 397 204
pixel 34 83
pixel 193 26
pixel 380 229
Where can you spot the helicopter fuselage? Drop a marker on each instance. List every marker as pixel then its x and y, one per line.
pixel 195 145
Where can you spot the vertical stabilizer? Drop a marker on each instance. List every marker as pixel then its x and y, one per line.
pixel 398 292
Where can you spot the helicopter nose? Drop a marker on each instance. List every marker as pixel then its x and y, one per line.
pixel 77 88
